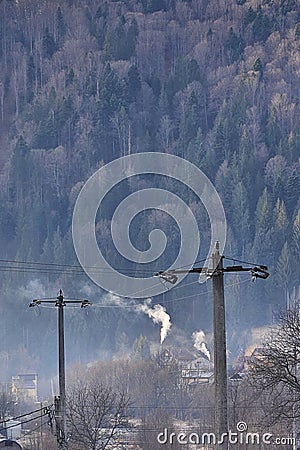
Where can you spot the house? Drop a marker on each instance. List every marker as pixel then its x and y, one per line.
pixel 195 367
pixel 244 363
pixel 197 376
pixel 24 387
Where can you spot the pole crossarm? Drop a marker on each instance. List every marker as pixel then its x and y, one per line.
pixel 257 271
pixel 58 302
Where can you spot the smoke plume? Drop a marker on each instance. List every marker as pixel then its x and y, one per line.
pixel 200 343
pixel 33 289
pixel 159 315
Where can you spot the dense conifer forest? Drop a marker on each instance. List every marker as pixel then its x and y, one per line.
pixel 82 83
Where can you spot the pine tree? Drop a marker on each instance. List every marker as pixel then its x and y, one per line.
pixel 120 44
pixel 21 170
pixel 263 226
pixel 60 27
pixel 249 17
pixel 258 67
pixel 292 188
pixel 284 268
pixel 193 71
pixel 234 46
pixel 58 250
pixel 7 221
pixel 70 77
pixel 133 83
pixel 49 45
pixel 296 246
pixel 47 251
pixel 131 38
pixel 280 227
pixel 30 77
pixel 281 220
pixel 46 136
pixel 240 216
pixel 262 26
pixel 152 6
pixel 21 149
pixel 195 151
pixel 64 112
pixel 220 142
pixel 190 121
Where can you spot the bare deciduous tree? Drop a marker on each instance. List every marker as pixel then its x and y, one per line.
pixel 95 415
pixel 6 404
pixel 276 372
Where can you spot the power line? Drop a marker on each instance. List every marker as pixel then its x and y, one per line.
pixel 201 293
pixel 36 263
pixel 49 266
pixel 25 421
pixel 32 431
pixel 191 264
pixel 242 262
pixel 134 305
pixel 69 269
pixel 102 305
pixel 26 414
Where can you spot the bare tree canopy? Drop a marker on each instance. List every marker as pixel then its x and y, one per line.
pixel 95 414
pixel 276 371
pixel 6 403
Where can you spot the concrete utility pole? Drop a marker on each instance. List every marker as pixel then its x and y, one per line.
pixel 41 428
pixel 60 401
pixel 61 370
pixel 220 366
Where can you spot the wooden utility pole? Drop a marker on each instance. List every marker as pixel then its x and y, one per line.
pixel 220 365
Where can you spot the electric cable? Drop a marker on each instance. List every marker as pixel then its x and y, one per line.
pixel 26 421
pixel 26 414
pixel 56 268
pixel 33 431
pixel 243 262
pixel 199 294
pixel 36 263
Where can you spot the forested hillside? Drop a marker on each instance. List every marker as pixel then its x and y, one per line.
pixel 84 82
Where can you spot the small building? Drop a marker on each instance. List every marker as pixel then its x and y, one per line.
pixel 245 362
pixel 194 366
pixel 197 376
pixel 24 387
pixel 13 429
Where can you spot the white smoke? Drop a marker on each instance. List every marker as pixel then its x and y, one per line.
pixel 159 315
pixel 109 299
pixel 200 343
pixel 33 289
